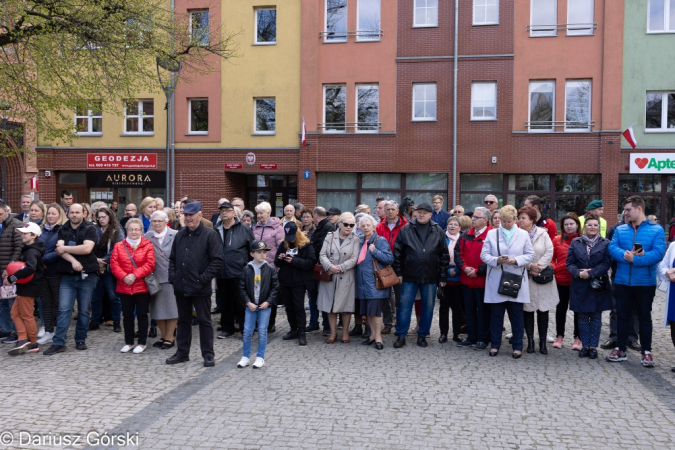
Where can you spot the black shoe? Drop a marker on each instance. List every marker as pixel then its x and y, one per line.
pixel 158 344
pixel 290 335
pixel 530 345
pixel 116 327
pixel 480 346
pixel 80 346
pixel 542 346
pixel 302 339
pixel 209 361
pixel 357 330
pixel 312 328
pixel 634 345
pixel 153 332
pixel 592 353
pixel 54 349
pixel 4 334
pixel 465 343
pixel 583 352
pixel 224 335
pixel 421 341
pixel 400 342
pixel 326 331
pixel 176 358
pixel 443 338
pixel 215 310
pixel 11 338
pixel 516 355
pixel 368 342
pixel 609 343
pixel 456 339
pixel 272 329
pixel 94 326
pixel 379 346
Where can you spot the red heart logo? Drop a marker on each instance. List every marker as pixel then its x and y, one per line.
pixel 641 162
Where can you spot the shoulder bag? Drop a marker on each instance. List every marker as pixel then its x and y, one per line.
pixel 150 280
pixel 385 277
pixel 509 283
pixel 545 276
pixel 7 291
pixel 319 273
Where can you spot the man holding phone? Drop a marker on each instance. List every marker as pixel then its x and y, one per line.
pixel 637 246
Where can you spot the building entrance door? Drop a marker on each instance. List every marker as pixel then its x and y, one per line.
pixel 278 190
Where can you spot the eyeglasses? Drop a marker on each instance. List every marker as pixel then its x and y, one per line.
pixel 349 225
pixel 157 221
pixel 477 217
pixel 489 202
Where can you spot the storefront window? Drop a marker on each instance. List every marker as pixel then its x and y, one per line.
pixel 381 181
pixel 529 182
pixel 639 183
pixel 658 191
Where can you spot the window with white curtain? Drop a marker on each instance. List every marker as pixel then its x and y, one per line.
pixel 543 18
pixel 580 17
pixel 484 100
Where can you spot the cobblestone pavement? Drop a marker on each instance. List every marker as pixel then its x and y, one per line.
pixel 339 396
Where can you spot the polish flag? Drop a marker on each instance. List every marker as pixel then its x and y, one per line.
pixel 34 183
pixel 630 137
pixel 304 133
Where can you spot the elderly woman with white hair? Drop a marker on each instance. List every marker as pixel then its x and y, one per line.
pixel 374 251
pixel 338 256
pixel 163 308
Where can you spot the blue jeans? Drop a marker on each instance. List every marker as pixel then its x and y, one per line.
pixel 106 283
pixel 6 322
pixel 404 311
pixel 42 317
pixel 73 286
pixel 263 318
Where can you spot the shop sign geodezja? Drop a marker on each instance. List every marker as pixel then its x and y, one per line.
pixel 105 161
pixel 663 163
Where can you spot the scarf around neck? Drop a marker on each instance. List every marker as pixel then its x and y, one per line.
pixel 532 233
pixel 452 240
pixel 590 242
pixel 134 242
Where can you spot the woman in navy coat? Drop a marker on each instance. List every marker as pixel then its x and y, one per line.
pixel 588 261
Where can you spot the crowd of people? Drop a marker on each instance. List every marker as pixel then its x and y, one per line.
pixel 151 274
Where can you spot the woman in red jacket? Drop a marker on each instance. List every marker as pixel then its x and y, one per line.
pixel 130 281
pixel 563 278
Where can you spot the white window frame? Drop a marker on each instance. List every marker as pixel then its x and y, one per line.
pixel 424 119
pixel 664 113
pixel 208 38
pixel 586 31
pixel 333 131
pixel 483 118
pixel 196 133
pixel 255 39
pixel 485 5
pixel 255 117
pixel 356 110
pixel 376 34
pixel 141 115
pixel 668 21
pixel 529 108
pixel 415 8
pixel 540 32
pixel 590 104
pixel 327 38
pixel 90 120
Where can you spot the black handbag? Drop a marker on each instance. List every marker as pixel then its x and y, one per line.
pixel 545 276
pixel 509 283
pixel 598 284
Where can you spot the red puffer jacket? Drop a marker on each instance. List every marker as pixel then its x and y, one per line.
pixel 120 265
pixel 561 245
pixel 382 229
pixel 467 254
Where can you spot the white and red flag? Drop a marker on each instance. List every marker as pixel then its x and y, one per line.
pixel 34 183
pixel 630 137
pixel 304 133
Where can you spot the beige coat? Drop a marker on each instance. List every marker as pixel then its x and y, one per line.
pixel 543 297
pixel 337 296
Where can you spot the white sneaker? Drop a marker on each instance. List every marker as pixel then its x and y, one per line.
pixel 46 338
pixel 509 335
pixel 549 339
pixel 126 348
pixel 243 362
pixel 41 332
pixel 259 362
pixel 139 349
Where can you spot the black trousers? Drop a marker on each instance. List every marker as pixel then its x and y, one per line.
pixel 561 312
pixel 294 299
pixel 49 294
pixel 140 303
pixel 202 306
pixel 231 308
pixel 453 300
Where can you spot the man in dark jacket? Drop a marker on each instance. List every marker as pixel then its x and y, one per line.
pixel 421 262
pixel 323 227
pixel 10 249
pixel 196 259
pixel 236 241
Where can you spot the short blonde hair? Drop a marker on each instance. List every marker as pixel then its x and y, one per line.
pixel 134 220
pixel 264 206
pixel 438 197
pixel 464 222
pixel 362 208
pixel 508 212
pixel 347 215
pixel 146 201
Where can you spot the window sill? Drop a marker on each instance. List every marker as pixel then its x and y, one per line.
pixel 543 35
pixel 475 119
pixel 659 131
pixel 137 134
pixel 423 120
pixel 580 35
pixel 334 132
pixel 361 41
pixel 335 41
pixel 263 44
pixel 425 26
pixel 660 32
pixel 264 134
pixel 197 133
pixel 484 24
pixel 84 134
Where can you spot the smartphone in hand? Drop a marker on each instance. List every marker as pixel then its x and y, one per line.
pixel 637 247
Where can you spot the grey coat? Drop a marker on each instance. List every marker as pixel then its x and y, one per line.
pixel 162 253
pixel 337 296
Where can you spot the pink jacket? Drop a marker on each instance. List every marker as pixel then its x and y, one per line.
pixel 272 234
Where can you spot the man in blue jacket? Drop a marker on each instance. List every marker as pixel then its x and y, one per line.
pixel 637 246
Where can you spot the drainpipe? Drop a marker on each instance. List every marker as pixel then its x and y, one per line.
pixel 172 107
pixel 454 112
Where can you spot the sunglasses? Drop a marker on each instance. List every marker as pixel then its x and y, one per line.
pixel 488 202
pixel 349 225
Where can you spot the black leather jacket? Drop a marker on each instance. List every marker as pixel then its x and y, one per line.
pixel 196 259
pixel 269 285
pixel 421 261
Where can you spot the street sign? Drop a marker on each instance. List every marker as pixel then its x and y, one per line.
pixel 268 166
pixel 234 166
pixel 307 174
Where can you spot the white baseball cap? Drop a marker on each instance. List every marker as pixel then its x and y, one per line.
pixel 31 227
